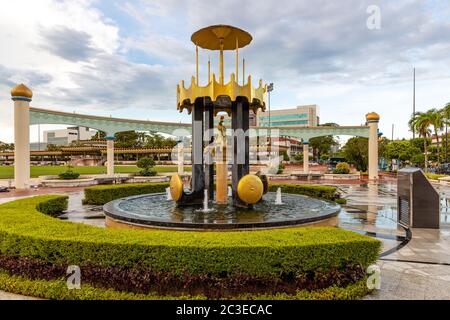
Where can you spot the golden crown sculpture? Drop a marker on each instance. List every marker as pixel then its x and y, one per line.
pixel 221 37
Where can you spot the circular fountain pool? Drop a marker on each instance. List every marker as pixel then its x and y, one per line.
pixel 154 210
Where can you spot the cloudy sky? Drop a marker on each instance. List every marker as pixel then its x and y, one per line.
pixel 124 58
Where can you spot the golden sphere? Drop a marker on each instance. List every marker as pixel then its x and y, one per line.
pixel 372 116
pixel 250 189
pixel 176 187
pixel 21 91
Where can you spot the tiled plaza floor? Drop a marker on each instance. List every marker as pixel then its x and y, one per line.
pixel 418 269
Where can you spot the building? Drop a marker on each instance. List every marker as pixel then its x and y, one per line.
pixel 293 146
pixel 300 116
pixel 64 137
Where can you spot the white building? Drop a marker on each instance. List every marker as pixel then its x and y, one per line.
pixel 305 116
pixel 63 137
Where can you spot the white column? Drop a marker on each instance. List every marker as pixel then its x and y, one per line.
pixel 305 157
pixel 372 121
pixel 180 158
pixel 110 155
pixel 22 99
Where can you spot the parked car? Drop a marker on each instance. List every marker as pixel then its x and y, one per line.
pixel 444 168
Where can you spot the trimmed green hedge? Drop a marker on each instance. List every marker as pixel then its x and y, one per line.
pixel 54 206
pixel 316 191
pixel 100 195
pixel 25 232
pixel 57 290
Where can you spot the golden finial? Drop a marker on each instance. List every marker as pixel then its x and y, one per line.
pixel 21 90
pixel 372 116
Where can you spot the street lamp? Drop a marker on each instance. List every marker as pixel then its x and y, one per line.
pixel 269 90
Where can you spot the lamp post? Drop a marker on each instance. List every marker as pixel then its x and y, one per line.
pixel 269 90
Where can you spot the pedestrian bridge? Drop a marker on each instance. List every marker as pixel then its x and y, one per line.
pixel 112 125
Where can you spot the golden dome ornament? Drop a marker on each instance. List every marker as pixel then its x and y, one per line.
pixel 176 187
pixel 250 189
pixel 21 90
pixel 372 116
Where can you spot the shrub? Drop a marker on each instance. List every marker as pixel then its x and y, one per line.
pixel 53 206
pixel 316 191
pixel 434 176
pixel 342 168
pixel 280 255
pixel 281 168
pixel 146 164
pixel 99 195
pixel 57 290
pixel 285 156
pixel 69 174
pixel 298 157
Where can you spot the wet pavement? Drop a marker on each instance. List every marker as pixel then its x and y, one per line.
pixel 414 265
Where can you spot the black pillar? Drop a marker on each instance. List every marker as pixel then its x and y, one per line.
pixel 241 145
pixel 198 178
pixel 209 138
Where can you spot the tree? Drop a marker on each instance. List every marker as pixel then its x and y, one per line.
pixel 127 139
pixel 420 123
pixel 322 145
pixel 402 150
pixel 285 155
pixel 6 146
pixel 356 151
pixel 99 135
pixel 53 147
pixel 146 164
pixel 437 121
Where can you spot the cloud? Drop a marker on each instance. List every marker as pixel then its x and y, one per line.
pixel 110 83
pixel 69 44
pixel 129 55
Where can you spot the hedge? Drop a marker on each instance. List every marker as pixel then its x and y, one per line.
pixel 285 254
pixel 53 207
pixel 99 195
pixel 316 191
pixel 57 290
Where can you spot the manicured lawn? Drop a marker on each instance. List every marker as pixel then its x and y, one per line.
pixel 7 172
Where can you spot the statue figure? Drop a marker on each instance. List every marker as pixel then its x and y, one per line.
pixel 219 143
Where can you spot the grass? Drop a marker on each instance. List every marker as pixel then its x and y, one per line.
pixel 7 172
pixel 435 176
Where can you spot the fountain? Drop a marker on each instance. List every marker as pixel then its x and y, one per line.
pixel 168 194
pixel 209 203
pixel 278 201
pixel 205 208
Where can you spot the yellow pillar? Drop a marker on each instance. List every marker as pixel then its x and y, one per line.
pixel 196 65
pixel 243 72
pixel 237 60
pixel 21 96
pixel 181 158
pixel 222 178
pixel 372 121
pixel 221 62
pixel 209 69
pixel 110 155
pixel 305 157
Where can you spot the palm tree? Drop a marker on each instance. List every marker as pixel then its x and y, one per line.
pixel 446 115
pixel 437 121
pixel 420 123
